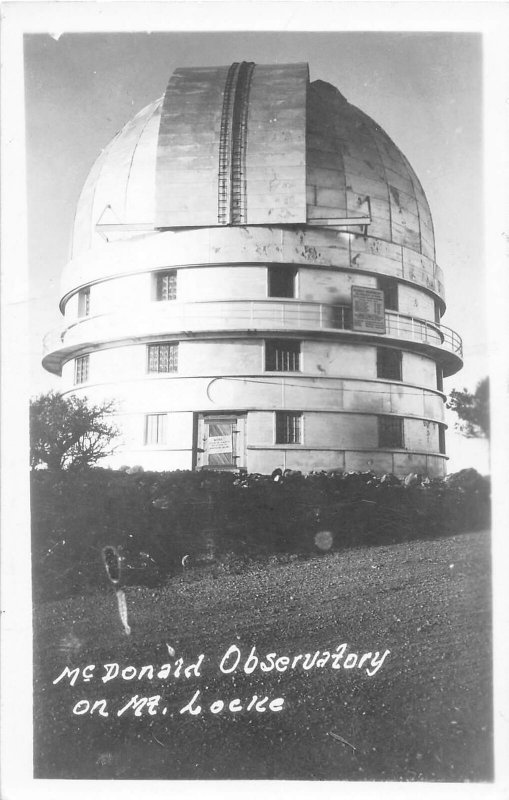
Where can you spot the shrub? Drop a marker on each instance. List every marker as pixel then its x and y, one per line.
pixel 157 518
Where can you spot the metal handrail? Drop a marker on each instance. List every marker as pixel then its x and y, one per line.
pixel 273 314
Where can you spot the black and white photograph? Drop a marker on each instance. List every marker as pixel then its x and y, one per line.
pixel 256 384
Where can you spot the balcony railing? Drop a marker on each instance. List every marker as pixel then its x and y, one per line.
pixel 415 329
pixel 172 317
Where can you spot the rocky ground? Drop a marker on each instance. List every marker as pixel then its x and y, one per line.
pixel 420 712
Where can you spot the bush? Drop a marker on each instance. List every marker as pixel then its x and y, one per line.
pixel 227 520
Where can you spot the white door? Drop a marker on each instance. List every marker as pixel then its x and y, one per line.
pixel 221 442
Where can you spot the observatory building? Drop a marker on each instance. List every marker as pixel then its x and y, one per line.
pixel 253 279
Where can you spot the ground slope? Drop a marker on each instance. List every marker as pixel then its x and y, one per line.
pixel 425 713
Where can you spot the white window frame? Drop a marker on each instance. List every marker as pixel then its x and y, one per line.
pixel 161 429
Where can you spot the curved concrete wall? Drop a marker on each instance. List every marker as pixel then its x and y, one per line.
pixel 323 360
pixel 214 283
pixel 253 245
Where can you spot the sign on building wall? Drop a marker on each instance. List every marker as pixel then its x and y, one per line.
pixel 368 310
pixel 219 444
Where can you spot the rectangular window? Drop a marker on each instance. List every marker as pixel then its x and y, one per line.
pixel 84 302
pixel 81 365
pixel 389 287
pixel 166 285
pixel 282 355
pixel 390 432
pixel 440 378
pixel 437 312
pixel 388 363
pixel 281 281
pixel 155 428
pixel 288 427
pixel 162 357
pixel 441 439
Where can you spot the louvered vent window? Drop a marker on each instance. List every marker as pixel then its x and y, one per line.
pixel 84 302
pixel 162 357
pixel 81 368
pixel 166 285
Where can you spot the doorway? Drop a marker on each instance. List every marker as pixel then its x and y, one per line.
pixel 221 442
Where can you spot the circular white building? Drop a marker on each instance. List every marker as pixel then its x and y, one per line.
pixel 253 279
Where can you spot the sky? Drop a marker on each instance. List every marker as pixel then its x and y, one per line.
pixel 424 89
